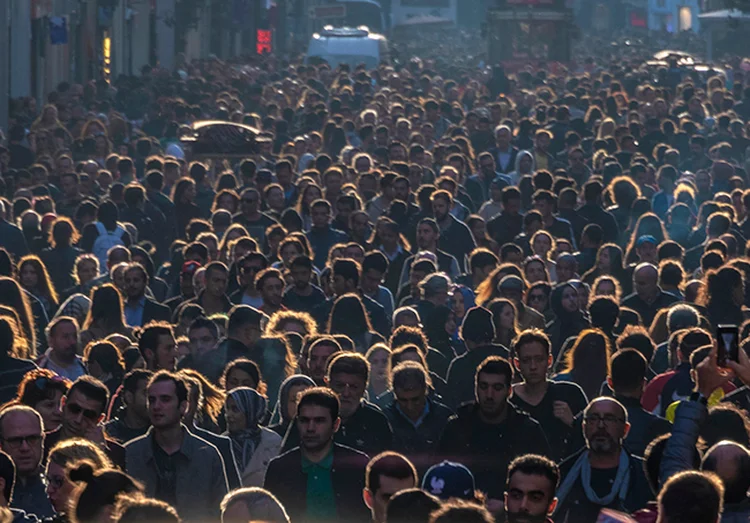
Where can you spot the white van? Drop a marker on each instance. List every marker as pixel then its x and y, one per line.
pixel 347 45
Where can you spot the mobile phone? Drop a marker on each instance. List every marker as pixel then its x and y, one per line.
pixel 728 341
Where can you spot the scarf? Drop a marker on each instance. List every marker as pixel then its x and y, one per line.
pixel 253 405
pixel 582 468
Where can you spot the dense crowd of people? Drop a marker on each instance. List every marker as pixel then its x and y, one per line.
pixel 429 292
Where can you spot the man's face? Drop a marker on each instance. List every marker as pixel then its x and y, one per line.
pixel 502 139
pixel 542 142
pixel 412 402
pixel 216 283
pixel 272 291
pixel 320 216
pixel 576 160
pixel 371 279
pixel 487 165
pixel 316 361
pixel 426 236
pixel 301 276
pixel 136 401
pixel 492 394
pixel 543 206
pixel 80 414
pixel 512 206
pixel 23 441
pixel 86 271
pixel 360 226
pixel 64 340
pixel 339 285
pixel 440 209
pixel 532 362
pixel 248 272
pixel 316 427
pixel 566 270
pixel 604 427
pixel 201 341
pixel 164 409
pixel 401 191
pixel 703 182
pixel 69 186
pixel 378 501
pixel 135 284
pixel 351 389
pixel 250 203
pixel 645 283
pixel 529 498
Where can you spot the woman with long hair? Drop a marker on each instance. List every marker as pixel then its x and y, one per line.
pixel 623 192
pixel 504 316
pixel 234 232
pixel 569 319
pixel 13 297
pixel 308 195
pixel 60 257
pixel 648 224
pixel 106 315
pixel 587 363
pixel 183 196
pixel 35 280
pixel 95 501
pixel 254 446
pixel 104 362
pixel 487 290
pixel 609 262
pixel 543 245
pixel 212 400
pixel 60 488
pixel 349 317
pixel 242 373
pixel 723 297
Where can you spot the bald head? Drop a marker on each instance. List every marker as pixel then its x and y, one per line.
pixel 645 279
pixel 731 462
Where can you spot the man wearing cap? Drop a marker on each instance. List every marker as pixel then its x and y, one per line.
pixel 487 434
pixel 448 480
pixel 513 288
pixel 477 331
pixel 648 298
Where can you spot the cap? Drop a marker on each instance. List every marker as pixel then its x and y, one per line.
pixel 511 282
pixel 189 267
pixel 646 238
pixel 449 480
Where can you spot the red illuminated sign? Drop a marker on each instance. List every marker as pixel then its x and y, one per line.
pixel 263 41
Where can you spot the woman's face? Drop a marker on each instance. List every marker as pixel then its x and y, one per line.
pixel 189 194
pixel 288 253
pixel 450 324
pixel 49 410
pixel 605 288
pixel 507 317
pixel 227 202
pixel 292 399
pixel 379 365
pixel 236 420
pixel 239 378
pixel 59 487
pixel 570 299
pixel 479 230
pixel 29 277
pixel 605 261
pixel 542 245
pixel 535 271
pixel 459 307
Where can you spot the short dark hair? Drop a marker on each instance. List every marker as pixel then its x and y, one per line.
pixel 241 316
pixel 627 370
pixel 91 388
pixel 349 363
pixel 201 322
pixel 302 260
pixel 180 385
pixel 636 337
pixel 391 465
pixel 691 497
pixel 320 397
pixel 481 257
pixel 531 336
pixel 375 260
pixel 134 377
pixel 459 511
pixel 348 269
pixel 8 473
pixel 412 505
pixel 535 465
pixel 149 337
pixel 265 274
pixel 496 365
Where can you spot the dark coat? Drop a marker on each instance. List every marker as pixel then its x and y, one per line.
pixel 155 311
pixel 462 369
pixel 289 484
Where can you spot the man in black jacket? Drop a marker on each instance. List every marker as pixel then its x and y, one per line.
pixel 488 434
pixel 139 309
pixel 319 480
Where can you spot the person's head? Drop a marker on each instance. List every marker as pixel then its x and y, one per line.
pixel 731 462
pixel 217 278
pixel 7 479
pixel 136 281
pixel 530 489
pixel 136 508
pixel 477 327
pixel 84 406
pixel 62 456
pixel 317 418
pixel 412 505
pixel 386 474
pixel 158 347
pixel 245 409
pixel 203 335
pixel 167 395
pixel 270 284
pixel 244 324
pixel 22 438
pixel 134 393
pixel 682 316
pixel 62 337
pixel 320 213
pixel 459 511
pixel 344 276
pixel 646 281
pixel 43 390
pixel 605 426
pixel 532 355
pixel 409 384
pixel 252 504
pixel 428 233
pixel 627 375
pixel 691 497
pixel 318 355
pixel 289 393
pixel 242 372
pixel 492 387
pixel 347 376
pixel 95 501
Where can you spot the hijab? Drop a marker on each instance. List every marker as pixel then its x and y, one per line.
pixel 254 406
pixel 279 415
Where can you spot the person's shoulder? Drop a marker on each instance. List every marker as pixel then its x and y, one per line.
pixel 567 463
pixel 352 456
pixel 136 444
pixel 268 435
pixel 441 409
pixel 286 459
pixel 564 387
pixel 372 410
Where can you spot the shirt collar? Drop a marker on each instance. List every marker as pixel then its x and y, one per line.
pixel 325 463
pixel 421 418
pixel 140 305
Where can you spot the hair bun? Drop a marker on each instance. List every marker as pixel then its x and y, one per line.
pixel 83 471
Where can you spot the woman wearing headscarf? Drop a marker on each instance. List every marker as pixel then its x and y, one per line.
pixel 569 319
pixel 254 446
pixel 440 326
pixel 286 405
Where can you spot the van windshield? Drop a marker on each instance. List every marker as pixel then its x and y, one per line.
pixel 352 60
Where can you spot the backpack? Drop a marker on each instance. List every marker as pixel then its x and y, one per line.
pixel 104 242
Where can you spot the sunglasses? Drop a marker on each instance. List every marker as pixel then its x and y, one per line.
pixel 76 409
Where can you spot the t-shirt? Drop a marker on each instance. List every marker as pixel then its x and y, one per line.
pixel 321 499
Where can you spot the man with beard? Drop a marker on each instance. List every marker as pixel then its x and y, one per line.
pixel 302 296
pixel 131 421
pixel 604 474
pixel 489 433
pixel 62 355
pixel 530 492
pixel 320 480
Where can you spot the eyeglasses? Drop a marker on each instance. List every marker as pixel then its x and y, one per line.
pixel 17 442
pixel 607 419
pixel 76 409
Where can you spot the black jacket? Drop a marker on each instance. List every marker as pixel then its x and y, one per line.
pixel 462 369
pixel 288 482
pixel 487 450
pixel 155 311
pixel 224 445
